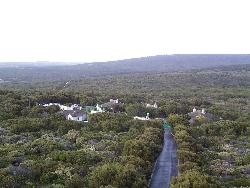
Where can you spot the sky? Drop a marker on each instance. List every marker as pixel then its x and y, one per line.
pixel 102 30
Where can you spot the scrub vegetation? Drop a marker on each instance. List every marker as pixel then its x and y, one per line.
pixel 40 148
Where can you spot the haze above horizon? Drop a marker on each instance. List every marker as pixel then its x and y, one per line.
pixel 94 31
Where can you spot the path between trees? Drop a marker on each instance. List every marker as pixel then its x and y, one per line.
pixel 166 164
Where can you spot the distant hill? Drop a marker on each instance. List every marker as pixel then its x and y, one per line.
pixel 152 64
pixel 33 64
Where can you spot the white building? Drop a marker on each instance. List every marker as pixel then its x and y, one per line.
pixel 202 111
pixel 143 118
pixel 104 107
pixel 152 106
pixel 116 101
pixel 63 107
pixel 196 114
pixel 75 115
pixel 98 110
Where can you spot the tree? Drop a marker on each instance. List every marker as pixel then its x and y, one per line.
pixel 175 119
pixel 192 179
pixel 72 135
pixel 104 175
pixel 136 110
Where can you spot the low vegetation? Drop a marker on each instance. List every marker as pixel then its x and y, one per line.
pixel 40 148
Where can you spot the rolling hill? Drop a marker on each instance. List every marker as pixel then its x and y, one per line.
pixel 162 63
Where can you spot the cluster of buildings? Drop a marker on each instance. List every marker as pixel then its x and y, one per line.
pixel 76 112
pixel 63 107
pixel 195 115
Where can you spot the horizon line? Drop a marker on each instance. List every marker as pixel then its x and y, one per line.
pixel 138 57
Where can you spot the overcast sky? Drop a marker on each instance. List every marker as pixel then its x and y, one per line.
pixel 101 30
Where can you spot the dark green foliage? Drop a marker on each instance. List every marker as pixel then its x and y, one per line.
pixel 193 179
pixel 40 148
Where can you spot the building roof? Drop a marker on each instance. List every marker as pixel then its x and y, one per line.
pixel 89 107
pixel 74 113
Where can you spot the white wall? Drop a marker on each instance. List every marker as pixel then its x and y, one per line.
pixel 80 118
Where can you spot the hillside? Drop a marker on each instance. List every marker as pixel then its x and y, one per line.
pixel 162 63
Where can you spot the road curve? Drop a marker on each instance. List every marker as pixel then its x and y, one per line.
pixel 166 164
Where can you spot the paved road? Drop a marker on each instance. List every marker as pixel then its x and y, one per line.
pixel 166 164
